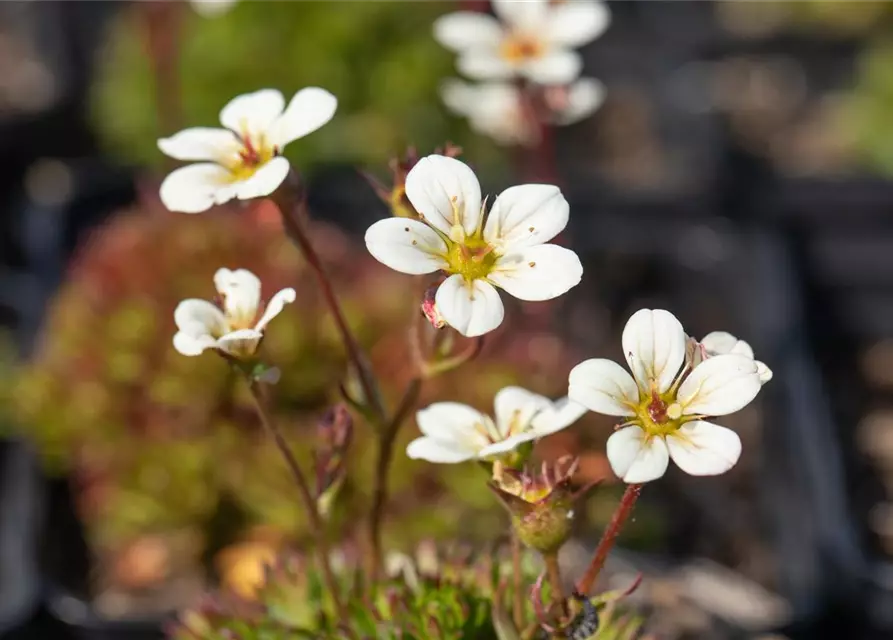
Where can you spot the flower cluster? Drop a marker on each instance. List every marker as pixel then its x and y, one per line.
pixel 442 225
pixel 532 42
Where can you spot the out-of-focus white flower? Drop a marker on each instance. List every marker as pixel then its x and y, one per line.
pixel 241 160
pixel 454 432
pixel 237 325
pixel 211 8
pixel 666 404
pixel 533 39
pixel 497 109
pixel 505 249
pixel 720 342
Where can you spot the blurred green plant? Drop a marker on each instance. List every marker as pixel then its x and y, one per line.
pixel 426 597
pixel 379 58
pixel 157 442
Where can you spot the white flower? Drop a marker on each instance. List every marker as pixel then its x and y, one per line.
pixel 496 109
pixel 664 403
pixel 505 249
pixel 210 8
pixel 241 160
pixel 532 39
pixel 454 432
pixel 237 326
pixel 720 342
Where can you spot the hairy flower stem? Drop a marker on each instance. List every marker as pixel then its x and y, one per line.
pixel 292 202
pixel 621 514
pixel 518 578
pixel 554 571
pixel 382 466
pixel 316 523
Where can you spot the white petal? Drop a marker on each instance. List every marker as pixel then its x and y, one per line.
pixel 190 345
pixel 264 181
pixel 275 306
pixel 654 347
pixel 457 423
pixel 509 444
pixel 196 188
pixel 485 64
pixel 240 290
pixel 560 414
pixel 446 192
pixel 635 458
pixel 764 372
pixel 199 317
pixel 515 407
pixel 526 215
pixel 527 15
pixel 603 386
pixel 308 110
pixel 465 29
pixel 541 272
pixel 253 113
pixel 438 451
pixel 202 143
pixel 573 24
pixel 211 8
pixel 741 348
pixel 559 66
pixel 407 246
pixel 242 343
pixel 719 385
pixel 472 309
pixel 704 449
pixel 719 342
pixel 583 98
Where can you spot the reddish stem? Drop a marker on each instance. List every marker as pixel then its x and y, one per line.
pixel 621 514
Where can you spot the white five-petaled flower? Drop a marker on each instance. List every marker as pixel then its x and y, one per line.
pixel 718 343
pixel 497 110
pixel 211 8
pixel 506 248
pixel 532 39
pixel 454 432
pixel 237 325
pixel 241 160
pixel 665 403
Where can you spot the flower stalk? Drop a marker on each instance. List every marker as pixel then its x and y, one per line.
pixel 554 571
pixel 383 463
pixel 609 537
pixel 292 202
pixel 310 505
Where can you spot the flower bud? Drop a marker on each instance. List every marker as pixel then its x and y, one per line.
pixel 395 196
pixel 334 433
pixel 429 308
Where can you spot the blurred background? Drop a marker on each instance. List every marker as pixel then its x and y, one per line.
pixel 738 173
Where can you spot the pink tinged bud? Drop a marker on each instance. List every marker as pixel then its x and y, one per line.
pixel 429 308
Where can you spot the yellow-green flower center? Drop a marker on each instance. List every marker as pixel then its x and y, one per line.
pixel 659 414
pixel 472 257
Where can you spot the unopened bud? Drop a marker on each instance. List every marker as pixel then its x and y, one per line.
pixel 429 308
pixel 334 433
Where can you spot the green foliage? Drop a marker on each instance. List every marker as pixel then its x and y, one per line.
pixel 379 58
